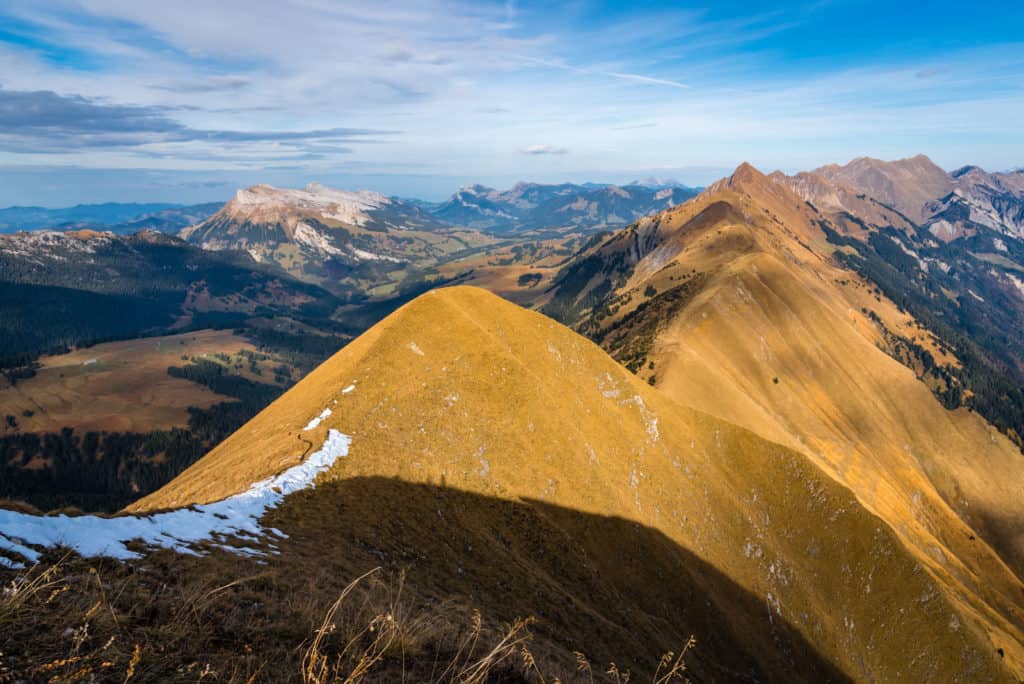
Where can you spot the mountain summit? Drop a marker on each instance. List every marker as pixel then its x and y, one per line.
pixel 345 241
pixel 906 184
pixel 739 303
pixel 808 582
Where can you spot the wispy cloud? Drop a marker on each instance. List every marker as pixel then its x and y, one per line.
pixel 210 84
pixel 634 127
pixel 634 78
pixel 41 121
pixel 256 85
pixel 544 149
pixel 638 78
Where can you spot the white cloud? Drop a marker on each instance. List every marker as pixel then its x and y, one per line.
pixel 473 87
pixel 544 149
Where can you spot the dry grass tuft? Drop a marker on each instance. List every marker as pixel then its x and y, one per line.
pixel 71 620
pixel 401 634
pixel 476 656
pixel 89 654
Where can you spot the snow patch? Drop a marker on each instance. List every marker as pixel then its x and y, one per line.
pixel 608 387
pixel 349 388
pixel 415 349
pixel 485 465
pixel 364 255
pixel 649 418
pixel 1017 283
pixel 240 514
pixel 315 423
pixel 309 236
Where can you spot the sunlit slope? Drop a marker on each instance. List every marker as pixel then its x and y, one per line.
pixel 778 311
pixel 767 332
pixel 464 390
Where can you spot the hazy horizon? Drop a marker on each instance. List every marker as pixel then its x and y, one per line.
pixel 179 188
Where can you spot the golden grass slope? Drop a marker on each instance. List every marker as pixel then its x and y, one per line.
pixel 776 340
pixel 464 390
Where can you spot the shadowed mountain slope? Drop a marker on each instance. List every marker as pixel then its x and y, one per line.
pixel 461 389
pixel 606 587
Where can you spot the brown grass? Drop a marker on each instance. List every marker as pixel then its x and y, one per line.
pixel 70 620
pixel 479 655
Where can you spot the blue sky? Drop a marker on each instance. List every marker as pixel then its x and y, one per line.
pixel 185 101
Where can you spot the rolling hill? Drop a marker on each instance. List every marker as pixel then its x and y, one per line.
pixel 508 464
pixel 62 289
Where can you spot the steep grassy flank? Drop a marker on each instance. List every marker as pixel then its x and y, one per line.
pixel 783 340
pixel 974 308
pixel 463 391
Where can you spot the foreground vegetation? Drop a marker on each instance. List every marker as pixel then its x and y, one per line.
pixel 71 620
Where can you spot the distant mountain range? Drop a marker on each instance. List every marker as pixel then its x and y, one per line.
pixel 524 207
pixel 336 238
pixel 123 219
pixel 532 206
